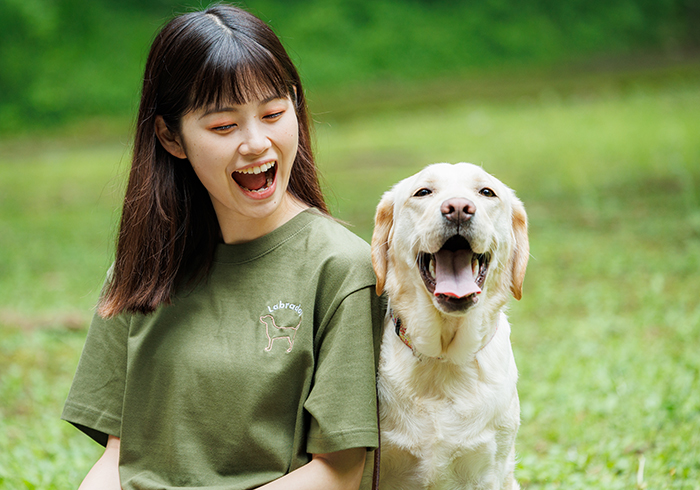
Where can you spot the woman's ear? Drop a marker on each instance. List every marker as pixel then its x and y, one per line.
pixel 171 141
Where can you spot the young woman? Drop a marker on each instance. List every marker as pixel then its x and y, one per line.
pixel 235 344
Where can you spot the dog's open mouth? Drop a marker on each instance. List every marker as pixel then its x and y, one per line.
pixel 454 274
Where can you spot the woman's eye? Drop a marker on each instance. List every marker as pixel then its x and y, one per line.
pixel 486 192
pixel 225 127
pixel 422 192
pixel 274 115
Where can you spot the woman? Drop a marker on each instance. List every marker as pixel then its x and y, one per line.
pixel 235 344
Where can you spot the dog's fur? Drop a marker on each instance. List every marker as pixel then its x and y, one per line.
pixel 449 409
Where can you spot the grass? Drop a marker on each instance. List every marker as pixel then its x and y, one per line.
pixel 58 211
pixel 607 333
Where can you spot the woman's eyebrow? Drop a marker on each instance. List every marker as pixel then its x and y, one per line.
pixel 215 110
pixel 234 108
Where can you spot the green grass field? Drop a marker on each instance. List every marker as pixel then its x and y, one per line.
pixel 606 336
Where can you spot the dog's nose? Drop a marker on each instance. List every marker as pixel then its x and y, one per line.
pixel 458 209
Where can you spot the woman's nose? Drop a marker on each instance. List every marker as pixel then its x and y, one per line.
pixel 255 140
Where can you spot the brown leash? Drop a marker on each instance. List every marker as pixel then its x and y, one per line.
pixel 377 453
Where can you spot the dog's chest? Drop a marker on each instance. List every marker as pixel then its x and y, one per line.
pixel 442 426
pixel 458 421
pixel 444 444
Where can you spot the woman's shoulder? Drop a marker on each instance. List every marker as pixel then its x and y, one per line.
pixel 339 249
pixel 330 234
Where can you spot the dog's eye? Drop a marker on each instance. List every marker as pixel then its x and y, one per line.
pixel 486 192
pixel 422 192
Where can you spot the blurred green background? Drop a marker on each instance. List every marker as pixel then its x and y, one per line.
pixel 590 110
pixel 64 60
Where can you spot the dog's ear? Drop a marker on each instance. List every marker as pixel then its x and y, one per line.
pixel 383 222
pixel 521 249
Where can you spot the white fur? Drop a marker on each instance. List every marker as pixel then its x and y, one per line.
pixel 449 409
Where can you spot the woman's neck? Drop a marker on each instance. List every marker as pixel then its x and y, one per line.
pixel 242 229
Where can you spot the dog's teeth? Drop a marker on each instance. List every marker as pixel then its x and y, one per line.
pixel 431 268
pixel 475 265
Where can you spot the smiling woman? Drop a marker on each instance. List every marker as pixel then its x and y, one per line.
pixel 223 222
pixel 243 155
pixel 203 69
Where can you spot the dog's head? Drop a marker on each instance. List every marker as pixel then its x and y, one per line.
pixel 452 235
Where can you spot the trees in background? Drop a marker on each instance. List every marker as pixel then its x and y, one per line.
pixel 62 60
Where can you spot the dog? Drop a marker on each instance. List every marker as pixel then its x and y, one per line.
pixel 449 247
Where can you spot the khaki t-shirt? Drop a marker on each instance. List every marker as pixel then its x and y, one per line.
pixel 235 384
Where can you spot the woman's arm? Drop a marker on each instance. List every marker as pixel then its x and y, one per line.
pixel 341 470
pixel 104 474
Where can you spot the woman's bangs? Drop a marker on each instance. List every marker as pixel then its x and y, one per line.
pixel 238 74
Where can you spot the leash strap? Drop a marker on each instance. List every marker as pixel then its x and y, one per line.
pixel 377 453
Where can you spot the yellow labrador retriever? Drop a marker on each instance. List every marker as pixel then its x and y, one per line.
pixel 449 247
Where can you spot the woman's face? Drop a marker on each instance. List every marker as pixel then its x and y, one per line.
pixel 243 155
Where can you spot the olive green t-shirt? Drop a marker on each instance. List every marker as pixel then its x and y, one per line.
pixel 270 359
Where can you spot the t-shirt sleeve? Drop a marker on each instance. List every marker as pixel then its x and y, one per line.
pixel 94 403
pixel 343 400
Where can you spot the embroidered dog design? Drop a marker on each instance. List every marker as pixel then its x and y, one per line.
pixel 275 332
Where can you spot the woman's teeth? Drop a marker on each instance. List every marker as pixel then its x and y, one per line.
pixel 257 170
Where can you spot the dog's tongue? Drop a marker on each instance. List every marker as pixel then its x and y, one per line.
pixel 453 274
pixel 251 182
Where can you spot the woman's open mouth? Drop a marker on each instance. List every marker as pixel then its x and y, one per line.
pixel 256 180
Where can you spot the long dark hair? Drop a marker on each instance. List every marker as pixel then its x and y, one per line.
pixel 168 228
